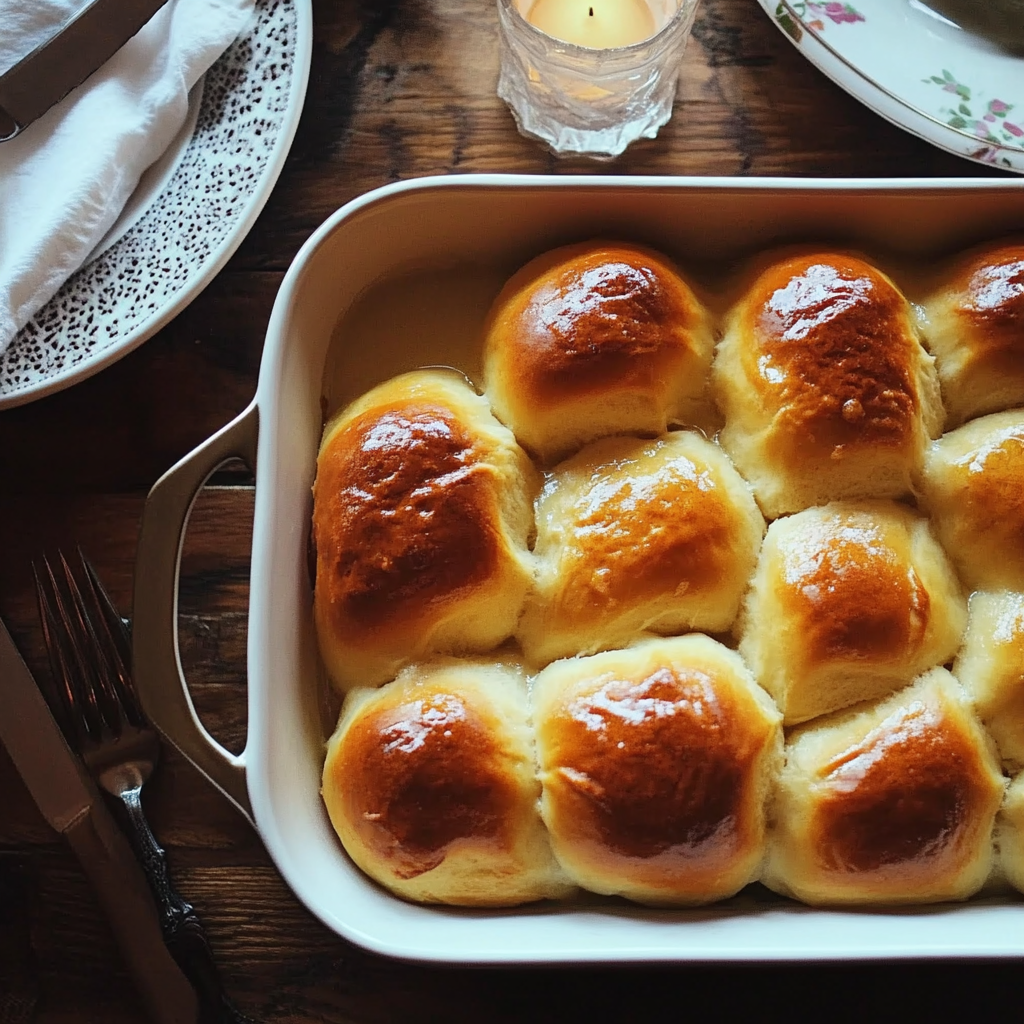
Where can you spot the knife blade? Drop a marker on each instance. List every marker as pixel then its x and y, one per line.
pixel 82 45
pixel 65 795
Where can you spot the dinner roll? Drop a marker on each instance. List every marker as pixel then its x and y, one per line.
pixel 849 601
pixel 639 535
pixel 826 391
pixel 974 326
pixel 1011 834
pixel 422 510
pixel 655 763
pixel 431 784
pixel 595 339
pixel 892 803
pixel 973 488
pixel 991 667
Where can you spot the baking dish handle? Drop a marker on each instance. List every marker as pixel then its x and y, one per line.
pixel 155 657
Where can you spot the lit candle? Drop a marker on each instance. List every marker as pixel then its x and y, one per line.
pixel 597 24
pixel 615 85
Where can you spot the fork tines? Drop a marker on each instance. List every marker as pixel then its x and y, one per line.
pixel 90 650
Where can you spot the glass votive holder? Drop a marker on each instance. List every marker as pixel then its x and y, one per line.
pixel 577 99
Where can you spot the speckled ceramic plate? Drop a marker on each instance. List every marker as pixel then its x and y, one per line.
pixel 916 69
pixel 196 217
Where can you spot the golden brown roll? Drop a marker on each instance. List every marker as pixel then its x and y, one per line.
pixel 1011 834
pixel 893 803
pixel 826 391
pixel 431 784
pixel 973 488
pixel 422 510
pixel 655 763
pixel 595 339
pixel 991 667
pixel 638 535
pixel 974 326
pixel 850 601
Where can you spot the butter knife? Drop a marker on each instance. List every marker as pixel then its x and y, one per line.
pixel 86 42
pixel 68 800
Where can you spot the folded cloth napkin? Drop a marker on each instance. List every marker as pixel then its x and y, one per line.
pixel 66 178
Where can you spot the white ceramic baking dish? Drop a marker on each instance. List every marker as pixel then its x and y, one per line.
pixel 495 222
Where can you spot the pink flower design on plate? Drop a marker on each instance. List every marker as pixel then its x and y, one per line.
pixel 837 12
pixel 988 124
pixel 986 153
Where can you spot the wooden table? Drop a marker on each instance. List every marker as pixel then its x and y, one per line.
pixel 398 89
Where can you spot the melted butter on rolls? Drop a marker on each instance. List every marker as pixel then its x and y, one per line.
pixel 656 769
pixel 421 517
pixel 974 325
pixel 638 535
pixel 1010 835
pixel 973 488
pixel 849 601
pixel 826 390
pixel 430 783
pixel 991 667
pixel 656 762
pixel 890 803
pixel 596 339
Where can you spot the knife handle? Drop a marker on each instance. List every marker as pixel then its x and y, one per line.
pixel 182 930
pixel 121 889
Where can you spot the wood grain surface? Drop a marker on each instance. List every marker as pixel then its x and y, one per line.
pixel 398 89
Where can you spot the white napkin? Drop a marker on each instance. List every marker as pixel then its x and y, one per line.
pixel 66 178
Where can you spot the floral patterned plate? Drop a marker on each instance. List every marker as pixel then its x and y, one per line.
pixel 916 69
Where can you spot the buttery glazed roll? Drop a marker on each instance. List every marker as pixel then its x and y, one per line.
pixel 826 391
pixel 894 803
pixel 430 783
pixel 974 326
pixel 422 509
pixel 638 535
pixel 596 339
pixel 655 763
pixel 1011 834
pixel 990 666
pixel 973 488
pixel 849 602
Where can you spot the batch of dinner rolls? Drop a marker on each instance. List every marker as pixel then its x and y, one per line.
pixel 688 592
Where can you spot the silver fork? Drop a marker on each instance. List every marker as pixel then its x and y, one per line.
pixel 89 646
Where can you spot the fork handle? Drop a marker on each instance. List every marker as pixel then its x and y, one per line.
pixel 183 932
